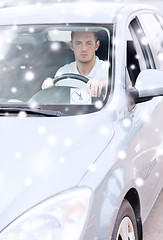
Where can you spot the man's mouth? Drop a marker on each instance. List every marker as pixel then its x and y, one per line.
pixel 83 55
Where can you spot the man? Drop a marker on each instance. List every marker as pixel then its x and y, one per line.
pixel 84 45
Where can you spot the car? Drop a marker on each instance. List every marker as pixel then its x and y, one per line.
pixel 76 166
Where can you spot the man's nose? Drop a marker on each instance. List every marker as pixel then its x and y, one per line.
pixel 84 48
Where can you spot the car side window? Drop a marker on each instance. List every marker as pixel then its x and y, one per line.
pixel 154 32
pixel 135 61
pixel 138 54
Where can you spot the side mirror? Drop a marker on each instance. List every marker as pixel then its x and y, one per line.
pixel 149 84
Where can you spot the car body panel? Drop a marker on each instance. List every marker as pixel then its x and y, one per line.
pixel 43 153
pixel 63 13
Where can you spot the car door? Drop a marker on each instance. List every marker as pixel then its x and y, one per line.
pixel 151 129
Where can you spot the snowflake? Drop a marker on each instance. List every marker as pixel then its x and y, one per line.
pixel 111 107
pixel 41 130
pixel 139 182
pixel 92 167
pixel 1 56
pixel 52 140
pixel 121 154
pixel 144 41
pixel 104 130
pixel 31 29
pixel 33 104
pixel 127 122
pixel 119 16
pixel 145 117
pixel 13 89
pixel 132 66
pixel 160 56
pixel 14 27
pixel 98 104
pixel 61 160
pixel 139 31
pixel 106 64
pixel 159 151
pixel 55 46
pixel 28 181
pixel 68 142
pixel 29 76
pixel 157 130
pixel 137 56
pixel 157 174
pixel 18 155
pixel 22 114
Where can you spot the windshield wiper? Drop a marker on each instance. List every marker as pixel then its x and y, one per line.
pixel 36 111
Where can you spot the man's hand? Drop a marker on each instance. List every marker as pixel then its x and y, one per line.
pixel 47 83
pixel 96 87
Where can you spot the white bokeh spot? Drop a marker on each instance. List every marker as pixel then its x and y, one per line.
pixel 41 130
pixel 52 140
pixel 98 104
pixel 68 142
pixel 139 182
pixel 18 155
pixel 29 76
pixel 121 154
pixel 13 89
pixel 144 41
pixel 127 122
pixel 22 114
pixel 28 181
pixel 61 160
pixel 104 130
pixel 92 167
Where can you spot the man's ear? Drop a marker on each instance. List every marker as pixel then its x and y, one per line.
pixel 97 45
pixel 71 46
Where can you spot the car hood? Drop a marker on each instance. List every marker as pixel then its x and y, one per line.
pixel 43 156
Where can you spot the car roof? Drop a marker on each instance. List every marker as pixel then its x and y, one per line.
pixel 71 12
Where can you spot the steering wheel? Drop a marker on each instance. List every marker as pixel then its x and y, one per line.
pixel 60 94
pixel 71 75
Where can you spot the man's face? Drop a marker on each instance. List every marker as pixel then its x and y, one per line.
pixel 84 46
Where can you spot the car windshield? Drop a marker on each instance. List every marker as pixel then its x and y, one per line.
pixel 29 54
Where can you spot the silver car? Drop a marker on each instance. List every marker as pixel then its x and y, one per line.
pixel 75 166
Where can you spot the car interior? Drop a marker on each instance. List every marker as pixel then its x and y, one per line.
pixel 30 58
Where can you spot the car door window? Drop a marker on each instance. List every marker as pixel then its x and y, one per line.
pixel 154 32
pixel 138 54
pixel 134 59
pixel 142 42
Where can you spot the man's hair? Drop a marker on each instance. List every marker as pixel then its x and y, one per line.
pixel 94 33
